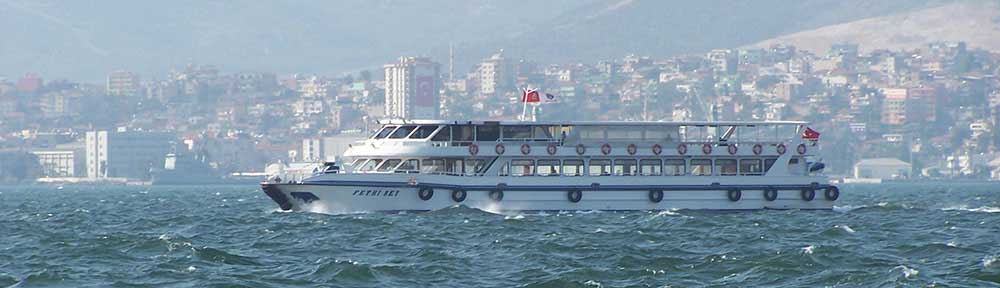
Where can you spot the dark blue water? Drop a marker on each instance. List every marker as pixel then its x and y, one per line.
pixel 946 235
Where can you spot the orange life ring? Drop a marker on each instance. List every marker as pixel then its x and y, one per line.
pixel 606 149
pixel 706 148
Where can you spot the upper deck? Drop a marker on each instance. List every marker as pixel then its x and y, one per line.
pixel 463 133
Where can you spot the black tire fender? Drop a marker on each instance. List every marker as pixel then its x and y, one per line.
pixel 655 196
pixel 574 195
pixel 425 193
pixel 734 194
pixel 458 195
pixel 832 193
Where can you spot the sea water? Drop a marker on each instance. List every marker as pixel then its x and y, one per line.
pixel 945 235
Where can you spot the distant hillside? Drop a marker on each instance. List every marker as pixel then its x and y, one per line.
pixel 87 39
pixel 975 22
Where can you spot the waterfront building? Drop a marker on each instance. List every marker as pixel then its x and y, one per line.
pixel 125 154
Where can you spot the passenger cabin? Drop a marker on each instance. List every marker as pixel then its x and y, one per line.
pixel 572 149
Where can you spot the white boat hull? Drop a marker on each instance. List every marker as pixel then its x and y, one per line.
pixel 402 193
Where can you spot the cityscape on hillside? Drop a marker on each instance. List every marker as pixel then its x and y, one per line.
pixel 927 113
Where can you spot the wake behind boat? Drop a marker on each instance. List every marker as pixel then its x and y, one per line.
pixel 427 165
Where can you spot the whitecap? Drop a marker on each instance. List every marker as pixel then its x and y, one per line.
pixel 989 260
pixel 593 283
pixel 191 269
pixel 808 249
pixel 847 208
pixel 951 244
pixel 984 209
pixel 907 271
pixel 846 228
pixel 882 204
pixel 599 230
pixel 515 217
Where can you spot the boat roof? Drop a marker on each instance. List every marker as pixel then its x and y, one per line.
pixel 592 123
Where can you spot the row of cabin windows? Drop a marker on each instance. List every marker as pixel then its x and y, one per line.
pixel 634 167
pixel 429 165
pixel 405 132
pixel 465 133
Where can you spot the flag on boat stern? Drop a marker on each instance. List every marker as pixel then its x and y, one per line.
pixel 810 134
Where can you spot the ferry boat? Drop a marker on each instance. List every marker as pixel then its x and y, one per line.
pixel 545 166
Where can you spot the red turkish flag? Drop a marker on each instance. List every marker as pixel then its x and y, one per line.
pixel 810 134
pixel 530 96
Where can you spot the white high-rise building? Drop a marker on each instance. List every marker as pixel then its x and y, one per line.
pixel 496 75
pixel 412 89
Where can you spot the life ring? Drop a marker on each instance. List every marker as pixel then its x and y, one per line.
pixel 580 149
pixel 801 149
pixel 808 194
pixel 770 194
pixel 631 149
pixel 574 195
pixel 606 149
pixel 473 149
pixel 682 149
pixel 734 194
pixel 757 149
pixel 525 149
pixel 657 149
pixel 781 149
pixel 706 148
pixel 832 193
pixel 655 196
pixel 496 195
pixel 551 149
pixel 732 149
pixel 499 149
pixel 425 193
pixel 458 195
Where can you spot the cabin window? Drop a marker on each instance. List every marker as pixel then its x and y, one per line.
pixel 600 167
pixel 432 166
pixel 370 165
pixel 625 167
pixel 701 167
pixel 462 133
pixel 625 132
pixel 573 167
pixel 650 167
pixel 750 167
pixel 455 165
pixel 727 167
pixel 443 135
pixel 423 132
pixel 673 167
pixel 543 132
pixel 475 166
pixel 388 165
pixel 385 132
pixel 409 166
pixel 357 162
pixel 402 132
pixel 768 163
pixel 548 167
pixel 522 167
pixel 517 132
pixel 505 169
pixel 488 133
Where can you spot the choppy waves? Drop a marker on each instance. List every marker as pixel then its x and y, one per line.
pixel 233 236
